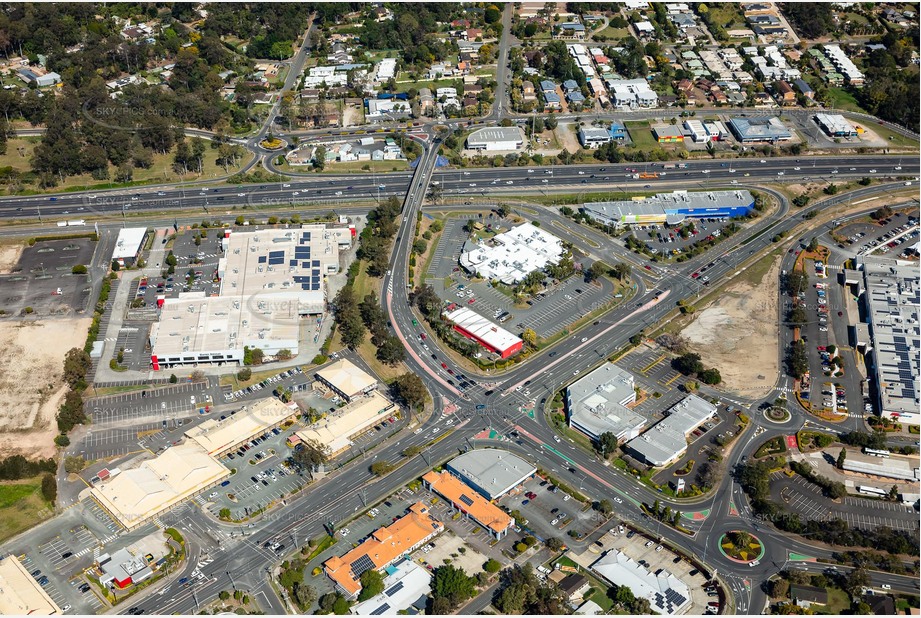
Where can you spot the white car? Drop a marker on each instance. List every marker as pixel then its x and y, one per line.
pixel 286 185
pixel 796 169
pixel 241 195
pixel 554 522
pixel 763 161
pixel 556 438
pixel 566 498
pixel 436 430
pixel 344 532
pixel 618 500
pixel 584 339
pixel 213 494
pixel 193 400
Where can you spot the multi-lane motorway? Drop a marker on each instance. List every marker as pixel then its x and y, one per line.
pixel 323 190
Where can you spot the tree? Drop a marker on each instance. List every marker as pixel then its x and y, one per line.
pixel 49 488
pixel 380 468
pixel 253 356
pixel 311 456
pixel 688 364
pixel 453 584
pixel 710 376
pixel 893 494
pixel 492 566
pixel 71 412
pixel 607 444
pixel 76 363
pixel 224 513
pixel 841 458
pixel 244 374
pixel 409 389
pixel 283 354
pixel 604 506
pixel 223 595
pixel 372 584
pixel 304 594
pixel 554 544
pixel 529 337
pixel 596 270
pixel 74 464
pixel 856 580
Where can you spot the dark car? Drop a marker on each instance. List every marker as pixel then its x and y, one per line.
pixel 67 555
pixel 84 588
pixel 36 573
pixel 135 611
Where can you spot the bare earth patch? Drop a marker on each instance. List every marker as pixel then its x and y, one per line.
pixel 9 257
pixel 738 335
pixel 30 382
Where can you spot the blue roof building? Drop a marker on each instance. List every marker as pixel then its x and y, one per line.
pixel 547 86
pixel 618 131
pixel 570 84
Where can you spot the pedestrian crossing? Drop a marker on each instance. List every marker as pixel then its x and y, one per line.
pixel 158 522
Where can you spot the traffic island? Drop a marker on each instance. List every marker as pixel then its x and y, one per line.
pixel 741 546
pixel 777 414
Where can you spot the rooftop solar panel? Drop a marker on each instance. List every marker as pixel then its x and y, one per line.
pixel 394 589
pixel 383 609
pixel 466 500
pixel 362 564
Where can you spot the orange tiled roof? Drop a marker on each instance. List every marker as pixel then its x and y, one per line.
pixel 478 507
pixel 384 546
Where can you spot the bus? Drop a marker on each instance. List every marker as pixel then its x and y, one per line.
pixel 875 452
pixel 871 491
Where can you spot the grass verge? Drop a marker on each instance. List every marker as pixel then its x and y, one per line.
pixel 21 505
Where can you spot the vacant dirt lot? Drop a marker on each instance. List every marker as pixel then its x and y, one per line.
pixel 30 382
pixel 738 335
pixel 9 257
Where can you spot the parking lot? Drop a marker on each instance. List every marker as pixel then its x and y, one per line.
pixel 547 313
pixel 261 477
pixel 42 278
pixel 893 235
pixel 806 499
pixel 670 241
pixel 550 511
pixel 651 367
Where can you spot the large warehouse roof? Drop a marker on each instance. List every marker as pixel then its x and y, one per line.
pixel 513 255
pixel 217 436
pixel 492 472
pixel 136 495
pixel 894 467
pixel 597 403
pixel 495 136
pixel 383 547
pixel 337 428
pixel 667 439
pixel 893 298
pixel 346 378
pixel 20 594
pixel 666 593
pixel 768 129
pixel 204 325
pixel 662 206
pixel 490 334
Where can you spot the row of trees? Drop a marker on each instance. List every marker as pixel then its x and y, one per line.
pixel 690 364
pixel 520 592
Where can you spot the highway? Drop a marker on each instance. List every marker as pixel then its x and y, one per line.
pixel 322 190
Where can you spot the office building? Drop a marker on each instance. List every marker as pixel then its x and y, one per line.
pixel 513 255
pixel 474 506
pixel 666 441
pixel 496 138
pixel 598 403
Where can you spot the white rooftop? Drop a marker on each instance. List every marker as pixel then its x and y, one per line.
pixel 128 243
pixel 402 588
pixel 668 438
pixel 492 334
pixel 666 593
pixel 597 403
pixel 512 255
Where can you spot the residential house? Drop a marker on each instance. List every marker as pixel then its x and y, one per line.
pixel 804 88
pixel 426 100
pixel 785 93
pixel 574 586
pixel 807 596
pixel 472 34
pixel 552 101
pixel 570 30
pixel 570 85
pixel 527 90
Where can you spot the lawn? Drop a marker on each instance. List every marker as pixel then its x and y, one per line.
pixel 842 99
pixel 896 139
pixel 611 34
pixel 641 135
pixel 19 152
pixel 21 506
pixel 838 602
pixel 727 15
pixel 756 272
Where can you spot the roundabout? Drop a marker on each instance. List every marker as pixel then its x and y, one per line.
pixel 741 546
pixel 777 414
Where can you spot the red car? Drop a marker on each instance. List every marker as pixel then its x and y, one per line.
pixel 444 366
pixel 471 301
pixel 695 275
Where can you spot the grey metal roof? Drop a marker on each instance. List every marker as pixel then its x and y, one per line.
pixel 596 403
pixel 668 438
pixel 495 134
pixel 493 471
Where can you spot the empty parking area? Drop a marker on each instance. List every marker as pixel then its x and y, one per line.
pixel 92 507
pixel 42 278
